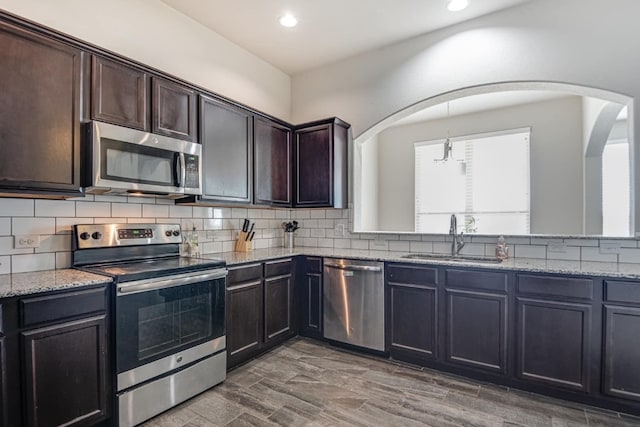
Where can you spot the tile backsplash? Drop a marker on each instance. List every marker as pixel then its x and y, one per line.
pixel 217 228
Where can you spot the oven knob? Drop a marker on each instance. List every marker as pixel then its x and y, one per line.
pixel 176 233
pixel 85 236
pixel 97 235
pixel 167 233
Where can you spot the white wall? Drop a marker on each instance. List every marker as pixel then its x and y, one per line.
pixel 556 162
pixel 369 185
pixel 151 32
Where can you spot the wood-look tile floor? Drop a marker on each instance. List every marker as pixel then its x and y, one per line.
pixel 306 383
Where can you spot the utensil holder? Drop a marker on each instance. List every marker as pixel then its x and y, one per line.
pixel 288 240
pixel 242 244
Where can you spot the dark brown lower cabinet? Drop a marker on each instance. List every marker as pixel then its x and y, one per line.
pixel 260 308
pixel 554 343
pixel 621 377
pixel 3 382
pixel 414 320
pixel 278 303
pixel 311 298
pixel 476 332
pixel 244 320
pixel 65 373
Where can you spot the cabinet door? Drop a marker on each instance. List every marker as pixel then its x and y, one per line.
pixel 226 135
pixel 278 304
pixel 39 113
pixel 414 320
pixel 244 321
pixel 119 94
pixel 553 343
pixel 272 163
pixel 314 166
pixel 477 330
pixel 313 304
pixel 622 352
pixel 65 373
pixel 174 110
pixel 3 382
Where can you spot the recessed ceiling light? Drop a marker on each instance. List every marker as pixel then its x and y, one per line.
pixel 288 20
pixel 457 5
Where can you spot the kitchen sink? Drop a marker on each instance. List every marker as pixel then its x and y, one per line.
pixel 459 258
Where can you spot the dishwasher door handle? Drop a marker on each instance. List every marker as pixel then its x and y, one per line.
pixel 353 267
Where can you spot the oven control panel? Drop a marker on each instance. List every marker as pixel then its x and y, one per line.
pixel 111 235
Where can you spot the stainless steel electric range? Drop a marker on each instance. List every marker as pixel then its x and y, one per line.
pixel 169 314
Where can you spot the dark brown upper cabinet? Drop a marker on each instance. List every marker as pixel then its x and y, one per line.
pixel 321 164
pixel 272 163
pixel 39 114
pixel 226 134
pixel 120 94
pixel 173 110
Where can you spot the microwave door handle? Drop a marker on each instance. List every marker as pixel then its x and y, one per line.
pixel 177 162
pixel 183 171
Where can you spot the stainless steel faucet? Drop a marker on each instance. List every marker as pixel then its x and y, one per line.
pixel 457 243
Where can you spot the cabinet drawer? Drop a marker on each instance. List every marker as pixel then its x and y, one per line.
pixel 571 287
pixel 314 265
pixel 278 268
pixel 412 274
pixel 244 273
pixel 475 279
pixel 60 307
pixel 622 291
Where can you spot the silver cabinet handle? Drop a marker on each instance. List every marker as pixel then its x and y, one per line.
pixel 353 267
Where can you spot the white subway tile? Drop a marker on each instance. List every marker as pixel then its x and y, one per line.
pixel 442 248
pixel 222 213
pixel 400 246
pixel 114 199
pixel 202 212
pixel 141 199
pixel 333 213
pixel 55 243
pixel 213 224
pixel 93 209
pixel 126 210
pixel 378 245
pixel 593 254
pixel 529 251
pixel 16 207
pixel 421 246
pixel 231 224
pixel 228 246
pixel 360 244
pixel 430 238
pixel 63 260
pixel 318 232
pixel 342 244
pixel 624 243
pixel 411 237
pixel 164 201
pixel 108 221
pixel 33 226
pixel 7 247
pixel 155 211
pixel 141 220
pixel 33 262
pixel 571 253
pixel 309 223
pixel 5 264
pixel 180 211
pixel 240 213
pixel 325 223
pixel 5 226
pixel 303 232
pixel 261 244
pixel 283 214
pixel 301 214
pixel 629 255
pixel 317 213
pixel 582 242
pixel 64 225
pixel 49 208
pixel 189 224
pixel 212 247
pixel 325 243
pixel 473 249
pixel 268 214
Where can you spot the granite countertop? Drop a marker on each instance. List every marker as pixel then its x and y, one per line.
pixel 588 268
pixel 45 281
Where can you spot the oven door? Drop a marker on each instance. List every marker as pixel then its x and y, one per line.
pixel 167 323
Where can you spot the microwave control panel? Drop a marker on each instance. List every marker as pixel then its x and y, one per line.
pixel 192 174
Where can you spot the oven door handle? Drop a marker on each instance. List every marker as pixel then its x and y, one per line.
pixel 160 283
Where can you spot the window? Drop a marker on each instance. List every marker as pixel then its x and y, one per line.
pixel 615 189
pixel 484 181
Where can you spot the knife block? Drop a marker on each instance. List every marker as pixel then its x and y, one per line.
pixel 242 245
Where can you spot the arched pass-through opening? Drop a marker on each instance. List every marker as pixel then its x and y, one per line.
pixel 370 179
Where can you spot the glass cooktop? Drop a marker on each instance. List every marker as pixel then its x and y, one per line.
pixel 156 267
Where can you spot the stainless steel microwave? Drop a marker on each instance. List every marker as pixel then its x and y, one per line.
pixel 120 160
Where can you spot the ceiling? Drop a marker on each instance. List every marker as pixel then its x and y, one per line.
pixel 328 30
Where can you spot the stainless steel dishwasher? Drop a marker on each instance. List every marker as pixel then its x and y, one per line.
pixel 354 302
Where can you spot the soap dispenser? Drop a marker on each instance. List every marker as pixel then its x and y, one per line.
pixel 502 250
